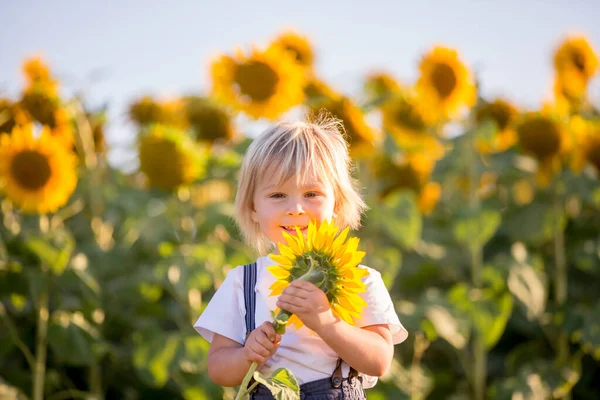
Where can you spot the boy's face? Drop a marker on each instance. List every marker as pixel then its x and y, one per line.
pixel 282 208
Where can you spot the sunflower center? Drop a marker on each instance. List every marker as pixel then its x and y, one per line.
pixel 256 80
pixel 578 60
pixel 297 54
pixel 498 113
pixel 208 121
pixel 41 107
pixel 409 178
pixel 443 79
pixel 540 136
pixel 31 169
pixel 405 114
pixel 164 175
pixel 593 153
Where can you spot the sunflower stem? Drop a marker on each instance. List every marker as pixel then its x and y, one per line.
pixel 84 140
pixel 41 344
pixel 479 366
pixel 560 284
pixel 244 389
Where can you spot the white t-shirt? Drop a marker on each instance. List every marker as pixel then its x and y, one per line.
pixel 301 351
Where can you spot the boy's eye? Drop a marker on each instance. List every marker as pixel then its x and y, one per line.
pixel 276 195
pixel 312 194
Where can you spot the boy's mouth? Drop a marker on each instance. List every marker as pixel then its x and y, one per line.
pixel 292 228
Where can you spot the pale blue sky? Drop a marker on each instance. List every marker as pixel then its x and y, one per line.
pixel 162 48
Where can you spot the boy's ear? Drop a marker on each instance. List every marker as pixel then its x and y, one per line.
pixel 253 216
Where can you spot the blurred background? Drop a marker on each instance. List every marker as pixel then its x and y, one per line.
pixel 475 131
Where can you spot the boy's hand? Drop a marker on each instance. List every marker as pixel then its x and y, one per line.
pixel 262 343
pixel 308 302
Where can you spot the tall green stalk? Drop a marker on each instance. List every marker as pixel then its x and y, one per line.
pixel 560 282
pixel 41 342
pixel 479 365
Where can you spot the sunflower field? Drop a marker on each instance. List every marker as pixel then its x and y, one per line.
pixel 484 221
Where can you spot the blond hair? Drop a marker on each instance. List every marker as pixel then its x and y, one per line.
pixel 295 149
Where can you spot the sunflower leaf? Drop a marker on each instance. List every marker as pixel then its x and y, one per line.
pixel 56 258
pixel 282 384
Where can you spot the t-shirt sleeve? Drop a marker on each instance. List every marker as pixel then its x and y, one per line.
pixel 380 309
pixel 225 312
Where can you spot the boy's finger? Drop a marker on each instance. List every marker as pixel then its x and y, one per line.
pixel 269 330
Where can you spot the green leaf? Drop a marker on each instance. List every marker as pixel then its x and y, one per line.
pixel 534 223
pixel 155 359
pixel 488 308
pixel 401 218
pixel 588 334
pixel 70 343
pixel 56 258
pixel 475 231
pixel 282 384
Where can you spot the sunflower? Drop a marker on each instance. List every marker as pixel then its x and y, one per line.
pixel 329 261
pixel 361 137
pixel 261 84
pixel 410 172
pixel 11 115
pixel 503 114
pixel 379 86
pixel 575 54
pixel 37 74
pixel 145 111
pixel 298 46
pixel 317 92
pixel 587 143
pixel 173 113
pixel 404 117
pixel 544 137
pixel 570 89
pixel 209 121
pixel 39 175
pixel 36 70
pixel 445 83
pixel 40 104
pixel 168 158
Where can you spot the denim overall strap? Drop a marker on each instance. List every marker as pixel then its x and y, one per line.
pixel 337 377
pixel 250 296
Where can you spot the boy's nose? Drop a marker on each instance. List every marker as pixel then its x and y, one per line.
pixel 295 209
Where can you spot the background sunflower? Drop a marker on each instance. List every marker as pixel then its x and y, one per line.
pixel 37 174
pixel 445 83
pixel 262 84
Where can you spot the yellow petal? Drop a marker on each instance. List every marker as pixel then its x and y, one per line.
pixel 300 237
pixel 354 260
pixel 348 305
pixel 341 238
pixel 292 242
pixel 281 260
pixel 343 314
pixel 287 253
pixel 279 272
pixel 310 235
pixel 297 322
pixel 278 285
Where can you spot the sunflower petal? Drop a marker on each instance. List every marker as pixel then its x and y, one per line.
pixel 281 260
pixel 279 272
